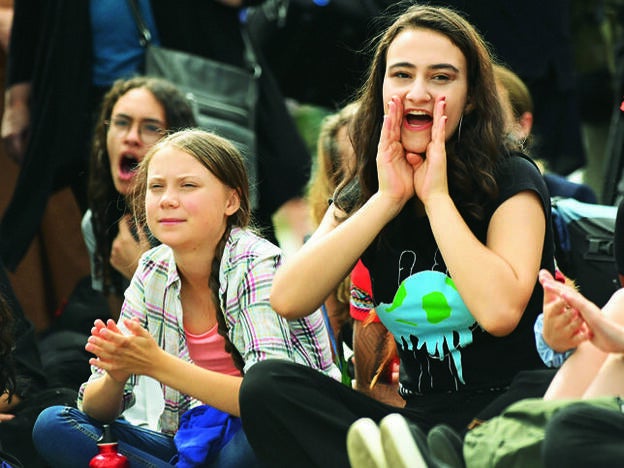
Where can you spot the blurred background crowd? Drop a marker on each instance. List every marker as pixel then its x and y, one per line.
pixel 569 53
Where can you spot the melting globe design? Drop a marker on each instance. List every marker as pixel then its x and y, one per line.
pixel 427 306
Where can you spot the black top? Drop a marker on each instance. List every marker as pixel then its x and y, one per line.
pixel 441 346
pixel 619 238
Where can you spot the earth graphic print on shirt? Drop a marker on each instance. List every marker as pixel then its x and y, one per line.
pixel 427 314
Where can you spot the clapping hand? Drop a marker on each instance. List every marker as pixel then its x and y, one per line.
pixel 119 354
pixel 564 327
pixel 604 332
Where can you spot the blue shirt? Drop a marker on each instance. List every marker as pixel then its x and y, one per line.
pixel 117 51
pixel 550 357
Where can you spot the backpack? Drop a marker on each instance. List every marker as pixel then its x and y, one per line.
pixel 585 246
pixel 514 439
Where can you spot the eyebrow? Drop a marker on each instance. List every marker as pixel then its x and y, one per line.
pixel 148 119
pixel 176 177
pixel 437 66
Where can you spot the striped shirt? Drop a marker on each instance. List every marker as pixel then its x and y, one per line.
pixel 246 274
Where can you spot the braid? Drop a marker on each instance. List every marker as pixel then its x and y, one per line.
pixel 222 328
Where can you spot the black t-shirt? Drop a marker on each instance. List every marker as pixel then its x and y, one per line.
pixel 441 346
pixel 619 238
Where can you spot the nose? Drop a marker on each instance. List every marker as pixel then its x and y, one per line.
pixel 134 132
pixel 169 198
pixel 418 91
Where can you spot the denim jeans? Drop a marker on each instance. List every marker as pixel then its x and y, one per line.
pixel 66 437
pixel 237 453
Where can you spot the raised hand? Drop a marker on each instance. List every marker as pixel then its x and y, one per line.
pixel 126 250
pixel 564 328
pixel 394 170
pixel 605 333
pixel 430 176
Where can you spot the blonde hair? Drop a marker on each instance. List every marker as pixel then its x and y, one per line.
pixel 216 154
pixel 225 162
pixel 519 94
pixel 329 170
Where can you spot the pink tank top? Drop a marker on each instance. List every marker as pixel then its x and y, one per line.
pixel 208 351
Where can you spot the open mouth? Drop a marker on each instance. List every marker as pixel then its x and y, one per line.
pixel 418 119
pixel 128 165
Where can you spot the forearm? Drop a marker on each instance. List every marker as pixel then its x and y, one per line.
pixel 6 18
pixel 494 280
pixel 103 399
pixel 212 388
pixel 306 279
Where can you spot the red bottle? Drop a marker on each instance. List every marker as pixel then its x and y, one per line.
pixel 108 457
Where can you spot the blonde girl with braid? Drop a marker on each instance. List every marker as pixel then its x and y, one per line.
pixel 196 315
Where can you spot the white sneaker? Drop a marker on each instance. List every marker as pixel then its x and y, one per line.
pixel 400 448
pixel 364 445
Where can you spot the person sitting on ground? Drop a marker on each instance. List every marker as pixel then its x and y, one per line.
pixel 350 306
pixel 453 224
pixel 26 389
pixel 582 434
pixel 8 377
pixel 196 316
pixel 517 106
pixel 134 114
pixel 334 158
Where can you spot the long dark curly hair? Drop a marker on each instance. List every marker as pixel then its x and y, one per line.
pixel 471 162
pixel 226 163
pixel 7 344
pixel 106 204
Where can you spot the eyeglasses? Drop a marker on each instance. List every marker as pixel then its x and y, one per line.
pixel 149 132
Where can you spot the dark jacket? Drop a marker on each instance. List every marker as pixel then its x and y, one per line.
pixel 54 56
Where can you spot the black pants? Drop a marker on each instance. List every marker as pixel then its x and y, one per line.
pixel 584 435
pixel 526 384
pixel 295 416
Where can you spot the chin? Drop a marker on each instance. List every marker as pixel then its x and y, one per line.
pixel 122 187
pixel 417 149
pixel 169 242
pixel 415 144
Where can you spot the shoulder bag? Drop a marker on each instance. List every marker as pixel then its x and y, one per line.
pixel 223 96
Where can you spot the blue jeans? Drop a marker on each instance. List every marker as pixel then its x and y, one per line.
pixel 66 437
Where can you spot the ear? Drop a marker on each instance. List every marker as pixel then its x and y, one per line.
pixel 526 123
pixel 469 107
pixel 233 203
